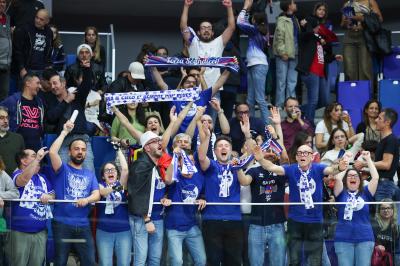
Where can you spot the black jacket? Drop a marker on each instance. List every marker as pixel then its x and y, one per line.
pixel 74 71
pixel 139 185
pixel 307 48
pixel 23 11
pixel 23 41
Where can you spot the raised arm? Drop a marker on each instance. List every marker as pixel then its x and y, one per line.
pixel 192 126
pixel 55 147
pixel 26 175
pixel 373 183
pixel 223 121
pixel 184 21
pixel 220 82
pixel 244 179
pixel 227 34
pixel 338 188
pixel 159 79
pixel 124 168
pixel 336 168
pixel 136 134
pixel 204 135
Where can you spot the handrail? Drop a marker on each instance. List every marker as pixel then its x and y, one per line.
pixel 112 51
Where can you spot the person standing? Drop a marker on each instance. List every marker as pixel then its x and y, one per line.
pixel 5 50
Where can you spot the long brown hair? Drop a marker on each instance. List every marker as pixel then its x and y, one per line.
pixel 365 110
pixel 57 41
pixel 96 49
pixel 360 187
pixel 327 116
pixel 318 5
pixel 393 219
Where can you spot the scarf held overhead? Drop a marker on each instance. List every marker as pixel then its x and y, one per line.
pixel 219 62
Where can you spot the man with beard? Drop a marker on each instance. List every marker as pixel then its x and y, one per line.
pixel 294 122
pixel 28 221
pixel 204 44
pixel 73 182
pixel 11 143
pixel 146 186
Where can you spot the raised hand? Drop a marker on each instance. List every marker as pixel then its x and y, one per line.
pixel 257 152
pixel 41 153
pixel 188 2
pixel 215 104
pixel 68 126
pixel 199 113
pixel 275 116
pixel 245 125
pixel 227 3
pixel 366 155
pixel 272 131
pixel 172 114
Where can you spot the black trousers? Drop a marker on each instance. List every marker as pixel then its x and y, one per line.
pixel 223 241
pixel 307 237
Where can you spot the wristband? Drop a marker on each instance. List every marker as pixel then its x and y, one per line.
pixel 221 111
pixel 148 221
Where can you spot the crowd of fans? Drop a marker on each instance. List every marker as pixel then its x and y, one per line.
pixel 179 165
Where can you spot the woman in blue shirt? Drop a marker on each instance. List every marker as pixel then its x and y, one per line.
pixel 113 231
pixel 257 62
pixel 354 238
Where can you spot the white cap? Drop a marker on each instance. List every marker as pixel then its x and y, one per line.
pixel 80 47
pixel 137 70
pixel 147 136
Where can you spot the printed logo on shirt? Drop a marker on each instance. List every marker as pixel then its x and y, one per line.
pixel 320 54
pixel 267 188
pixel 360 204
pixel 226 181
pixel 30 117
pixel 192 111
pixel 159 183
pixel 189 193
pixel 40 42
pixel 77 186
pixel 33 192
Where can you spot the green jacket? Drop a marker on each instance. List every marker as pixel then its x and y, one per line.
pixel 284 37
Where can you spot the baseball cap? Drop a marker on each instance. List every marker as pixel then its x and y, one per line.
pixel 137 70
pixel 147 136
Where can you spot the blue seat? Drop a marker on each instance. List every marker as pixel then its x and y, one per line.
pixel 355 115
pixel 71 59
pixel 333 72
pixel 354 94
pixel 389 92
pixel 391 64
pixel 103 151
pixel 48 139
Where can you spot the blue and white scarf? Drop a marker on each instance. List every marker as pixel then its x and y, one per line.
pixel 188 167
pixel 351 205
pixel 305 189
pixel 113 99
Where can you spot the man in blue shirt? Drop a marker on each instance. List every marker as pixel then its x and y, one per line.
pixel 305 184
pixel 28 237
pixel 75 183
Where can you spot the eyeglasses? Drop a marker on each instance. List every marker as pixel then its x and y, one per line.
pixel 110 170
pixel 352 175
pixel 386 208
pixel 242 112
pixel 303 153
pixel 153 141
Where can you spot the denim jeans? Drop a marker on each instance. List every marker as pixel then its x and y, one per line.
pixel 259 237
pixel 286 80
pixel 107 242
pixel 89 159
pixel 146 247
pixel 307 236
pixel 256 76
pixel 354 254
pixel 194 243
pixel 317 92
pixel 66 236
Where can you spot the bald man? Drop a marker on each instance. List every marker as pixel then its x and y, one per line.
pixel 32 46
pixel 305 184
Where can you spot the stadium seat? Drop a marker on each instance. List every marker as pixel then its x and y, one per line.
pixel 48 139
pixel 356 115
pixel 71 59
pixel 391 64
pixel 389 92
pixel 354 94
pixel 103 151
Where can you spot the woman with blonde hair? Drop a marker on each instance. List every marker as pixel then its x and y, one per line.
pixel 92 39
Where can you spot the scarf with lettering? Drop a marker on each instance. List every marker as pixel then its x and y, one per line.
pixel 305 189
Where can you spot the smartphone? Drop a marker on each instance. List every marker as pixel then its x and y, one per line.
pixel 341 153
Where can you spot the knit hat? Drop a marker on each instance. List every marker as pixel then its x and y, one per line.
pixel 80 47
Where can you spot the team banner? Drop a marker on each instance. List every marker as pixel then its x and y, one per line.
pixel 113 99
pixel 220 62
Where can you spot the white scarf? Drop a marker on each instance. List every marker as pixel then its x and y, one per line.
pixel 30 193
pixel 351 206
pixel 305 189
pixel 154 176
pixel 112 200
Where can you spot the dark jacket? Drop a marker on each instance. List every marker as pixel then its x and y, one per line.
pixel 307 49
pixel 23 41
pixel 74 71
pixel 139 185
pixel 23 11
pixel 13 103
pixel 58 58
pixel 5 45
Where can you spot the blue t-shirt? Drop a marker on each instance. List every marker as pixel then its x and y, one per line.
pixel 72 184
pixel 30 217
pixel 266 187
pixel 221 185
pixel 119 220
pixel 315 177
pixel 205 97
pixel 183 217
pixel 159 192
pixel 359 229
